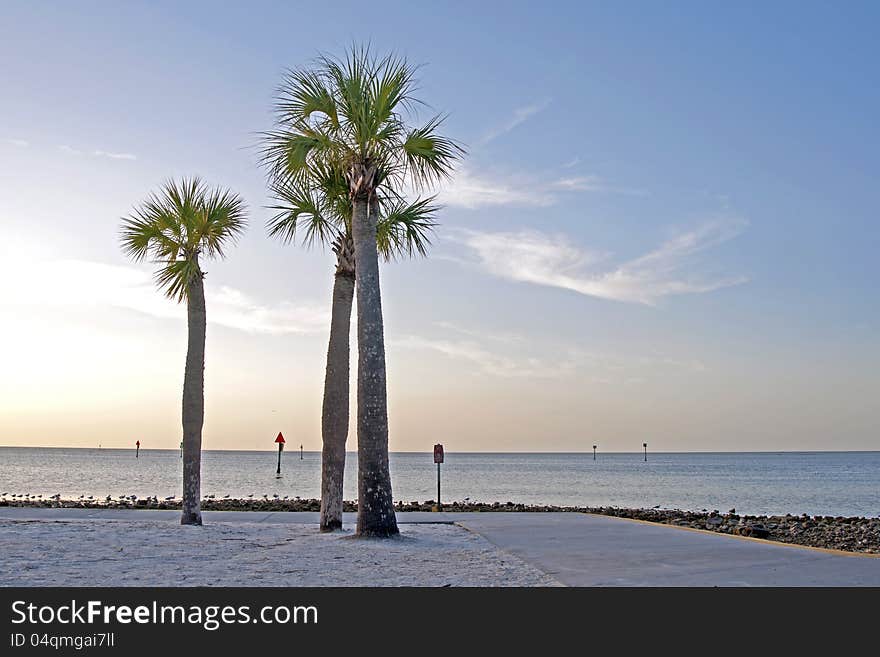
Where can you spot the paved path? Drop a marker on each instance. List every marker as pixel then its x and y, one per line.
pixel 587 550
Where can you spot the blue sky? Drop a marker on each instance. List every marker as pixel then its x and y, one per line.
pixel 665 227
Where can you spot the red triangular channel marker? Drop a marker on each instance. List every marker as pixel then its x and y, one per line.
pixel 280 438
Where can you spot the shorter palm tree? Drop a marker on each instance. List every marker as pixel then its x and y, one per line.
pixel 317 203
pixel 174 227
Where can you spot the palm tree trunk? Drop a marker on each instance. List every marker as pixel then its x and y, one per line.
pixel 375 504
pixel 334 418
pixel 194 402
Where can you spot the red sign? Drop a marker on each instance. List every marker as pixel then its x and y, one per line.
pixel 280 438
pixel 438 453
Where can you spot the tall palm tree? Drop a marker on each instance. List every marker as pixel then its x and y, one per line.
pixel 174 227
pixel 350 113
pixel 319 205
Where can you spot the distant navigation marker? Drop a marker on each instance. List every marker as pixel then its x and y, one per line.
pixel 300 452
pixel 645 445
pixel 181 449
pixel 594 452
pixel 280 441
pixel 137 449
pixel 438 459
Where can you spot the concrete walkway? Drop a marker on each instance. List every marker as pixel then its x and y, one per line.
pixel 587 550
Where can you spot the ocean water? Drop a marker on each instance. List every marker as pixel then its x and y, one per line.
pixel 817 483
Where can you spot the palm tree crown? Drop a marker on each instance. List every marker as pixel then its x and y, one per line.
pixel 350 115
pixel 182 221
pixel 319 206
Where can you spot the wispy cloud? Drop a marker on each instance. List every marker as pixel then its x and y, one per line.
pixel 98 153
pixel 472 190
pixel 469 190
pixel 552 260
pixel 520 116
pixel 21 143
pixel 573 162
pixel 504 337
pixel 512 356
pixel 580 184
pixel 115 156
pixel 95 284
pixel 488 361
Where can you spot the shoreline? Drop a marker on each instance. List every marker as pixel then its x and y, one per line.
pixel 856 534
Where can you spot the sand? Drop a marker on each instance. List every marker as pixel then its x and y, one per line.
pixel 161 553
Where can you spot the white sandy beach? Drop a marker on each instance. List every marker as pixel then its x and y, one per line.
pixel 160 553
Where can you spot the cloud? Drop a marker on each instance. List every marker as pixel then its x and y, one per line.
pixel 95 284
pixel 98 153
pixel 471 190
pixel 535 257
pixel 468 190
pixel 21 143
pixel 520 115
pixel 115 156
pixel 580 184
pixel 511 356
pixel 573 162
pixel 487 361
pixel 504 337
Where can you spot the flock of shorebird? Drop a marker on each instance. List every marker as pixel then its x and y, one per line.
pixel 123 498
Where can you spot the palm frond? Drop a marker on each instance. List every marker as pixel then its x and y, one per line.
pixel 299 205
pixel 303 93
pixel 430 157
pixel 177 224
pixel 406 228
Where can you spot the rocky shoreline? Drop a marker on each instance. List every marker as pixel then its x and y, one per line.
pixel 851 534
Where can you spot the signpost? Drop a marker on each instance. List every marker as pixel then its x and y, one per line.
pixel 438 459
pixel 137 449
pixel 280 441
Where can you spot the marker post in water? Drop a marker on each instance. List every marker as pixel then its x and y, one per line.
pixel 300 452
pixel 594 452
pixel 280 441
pixel 438 459
pixel 645 445
pixel 181 449
pixel 137 449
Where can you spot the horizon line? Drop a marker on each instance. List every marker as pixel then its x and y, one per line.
pixel 447 451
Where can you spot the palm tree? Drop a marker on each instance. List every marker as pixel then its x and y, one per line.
pixel 349 114
pixel 320 206
pixel 174 227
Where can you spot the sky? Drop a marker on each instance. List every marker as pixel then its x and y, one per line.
pixel 664 230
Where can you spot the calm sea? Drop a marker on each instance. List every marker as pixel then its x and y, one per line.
pixel 817 483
